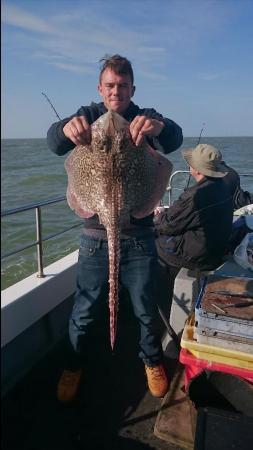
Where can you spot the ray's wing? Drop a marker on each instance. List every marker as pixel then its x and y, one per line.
pixel 158 170
pixel 74 204
pixel 77 166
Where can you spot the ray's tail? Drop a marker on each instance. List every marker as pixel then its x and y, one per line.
pixel 113 235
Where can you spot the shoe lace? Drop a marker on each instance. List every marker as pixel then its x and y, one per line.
pixel 156 372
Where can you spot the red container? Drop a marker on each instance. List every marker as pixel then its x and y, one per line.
pixel 194 366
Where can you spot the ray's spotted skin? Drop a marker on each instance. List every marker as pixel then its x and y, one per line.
pixel 114 179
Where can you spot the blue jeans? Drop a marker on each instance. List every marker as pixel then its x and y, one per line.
pixel 137 274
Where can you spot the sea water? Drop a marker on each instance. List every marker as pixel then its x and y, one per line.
pixel 32 173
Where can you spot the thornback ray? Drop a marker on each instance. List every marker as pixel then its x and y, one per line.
pixel 114 179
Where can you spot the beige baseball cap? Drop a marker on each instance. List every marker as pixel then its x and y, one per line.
pixel 206 159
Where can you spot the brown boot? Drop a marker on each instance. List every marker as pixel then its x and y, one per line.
pixel 157 380
pixel 68 385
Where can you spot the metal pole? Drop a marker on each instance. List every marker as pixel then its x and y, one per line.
pixel 39 244
pixel 170 330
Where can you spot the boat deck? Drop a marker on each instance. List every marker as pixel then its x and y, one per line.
pixel 114 409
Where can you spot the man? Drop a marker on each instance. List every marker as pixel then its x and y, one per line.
pixel 195 230
pixel 138 252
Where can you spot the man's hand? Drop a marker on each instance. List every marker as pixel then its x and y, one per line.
pixel 143 126
pixel 159 210
pixel 78 131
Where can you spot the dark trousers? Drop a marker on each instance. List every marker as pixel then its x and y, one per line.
pixel 137 274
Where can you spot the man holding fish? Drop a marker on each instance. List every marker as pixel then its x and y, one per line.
pixel 115 181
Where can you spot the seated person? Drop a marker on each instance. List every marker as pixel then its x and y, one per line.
pixel 195 230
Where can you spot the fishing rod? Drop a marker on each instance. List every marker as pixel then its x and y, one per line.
pixel 200 134
pixel 52 106
pixel 203 125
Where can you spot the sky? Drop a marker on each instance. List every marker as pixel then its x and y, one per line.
pixel 192 60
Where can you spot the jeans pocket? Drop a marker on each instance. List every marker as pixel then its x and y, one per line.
pixel 87 249
pixel 146 247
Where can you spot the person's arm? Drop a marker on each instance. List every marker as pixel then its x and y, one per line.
pixel 64 135
pixel 56 139
pixel 163 134
pixel 242 198
pixel 171 136
pixel 180 217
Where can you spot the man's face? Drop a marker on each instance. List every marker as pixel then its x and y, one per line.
pixel 193 172
pixel 196 174
pixel 116 90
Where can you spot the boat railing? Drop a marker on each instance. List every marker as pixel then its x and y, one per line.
pixel 39 239
pixel 171 188
pixel 38 208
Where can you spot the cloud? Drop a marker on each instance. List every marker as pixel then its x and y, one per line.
pixel 69 40
pixel 22 19
pixel 75 40
pixel 79 69
pixel 178 48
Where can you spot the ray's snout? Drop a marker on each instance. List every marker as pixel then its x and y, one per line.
pixel 112 122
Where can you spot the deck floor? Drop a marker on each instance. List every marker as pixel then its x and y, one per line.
pixel 114 409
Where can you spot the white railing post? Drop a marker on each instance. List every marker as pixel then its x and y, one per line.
pixel 39 243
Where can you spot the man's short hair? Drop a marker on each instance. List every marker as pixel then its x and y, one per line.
pixel 118 64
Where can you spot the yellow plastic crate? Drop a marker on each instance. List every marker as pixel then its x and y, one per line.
pixel 211 353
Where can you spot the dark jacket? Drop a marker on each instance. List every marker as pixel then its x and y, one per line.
pixel 195 230
pixel 240 197
pixel 169 140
